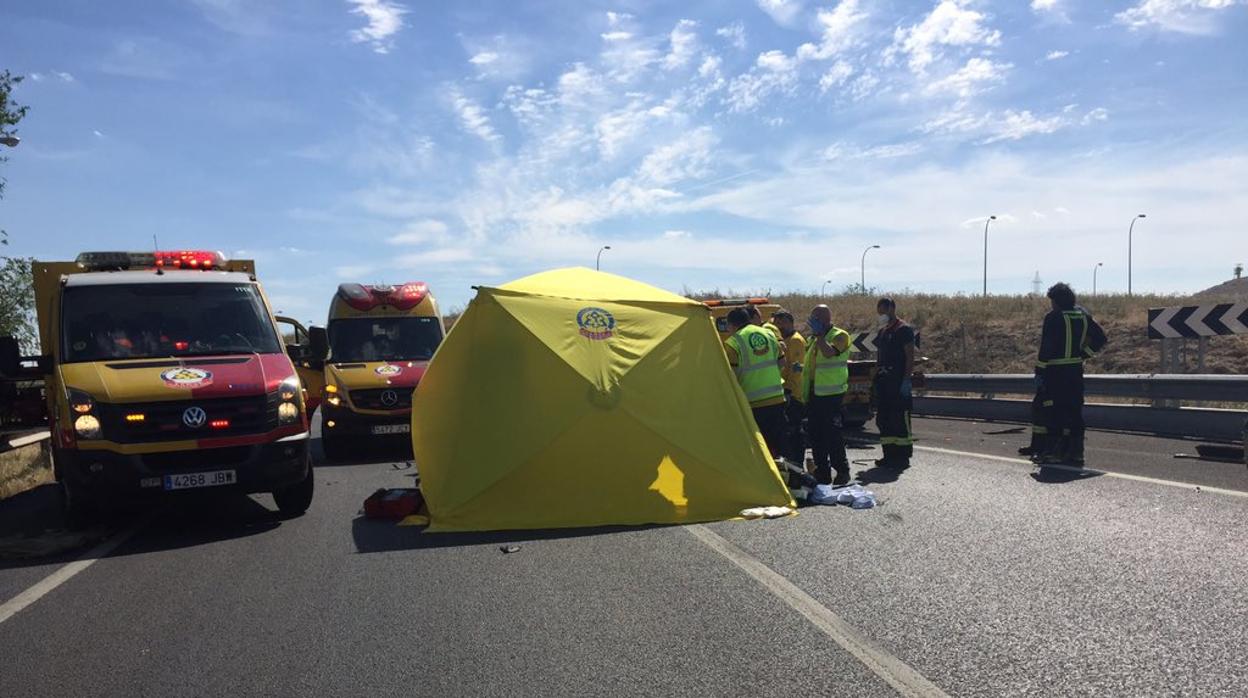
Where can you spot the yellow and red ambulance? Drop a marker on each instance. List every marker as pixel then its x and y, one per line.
pixel 164 372
pixel 380 340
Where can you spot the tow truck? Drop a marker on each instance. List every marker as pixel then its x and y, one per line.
pixel 164 372
pixel 380 338
pixel 858 407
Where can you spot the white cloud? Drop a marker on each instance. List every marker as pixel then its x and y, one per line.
pixel 1056 55
pixel 58 74
pixel 384 20
pixel 950 23
pixel 616 36
pixel 974 77
pixel 837 75
pixel 615 18
pixel 782 11
pixel 684 42
pixel 848 151
pixel 484 58
pixel 677 235
pixel 473 118
pixel 422 232
pixel 710 66
pixel 734 33
pixel 687 158
pixel 1051 9
pixel 1098 114
pixel 1010 124
pixel 98 133
pixel 838 31
pixel 773 72
pixel 1181 16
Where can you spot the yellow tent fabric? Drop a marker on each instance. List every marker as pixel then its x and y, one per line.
pixel 579 398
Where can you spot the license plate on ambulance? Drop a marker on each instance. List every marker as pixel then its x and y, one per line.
pixel 186 481
pixel 392 429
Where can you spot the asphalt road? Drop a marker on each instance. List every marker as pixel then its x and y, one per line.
pixel 972 573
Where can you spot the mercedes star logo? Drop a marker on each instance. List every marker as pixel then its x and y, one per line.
pixel 194 417
pixel 389 398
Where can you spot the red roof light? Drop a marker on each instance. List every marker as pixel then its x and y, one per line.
pixel 365 298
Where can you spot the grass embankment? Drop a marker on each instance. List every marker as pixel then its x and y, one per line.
pixel 999 334
pixel 24 468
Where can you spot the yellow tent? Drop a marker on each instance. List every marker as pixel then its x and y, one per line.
pixel 578 398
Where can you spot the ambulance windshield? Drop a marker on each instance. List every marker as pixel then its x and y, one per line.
pixel 384 339
pixel 136 321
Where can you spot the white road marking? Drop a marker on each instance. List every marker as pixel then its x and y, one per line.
pixel 63 574
pixel 1091 471
pixel 905 680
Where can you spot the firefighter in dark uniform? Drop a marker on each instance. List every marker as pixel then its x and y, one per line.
pixel 1069 337
pixel 1039 419
pixel 893 390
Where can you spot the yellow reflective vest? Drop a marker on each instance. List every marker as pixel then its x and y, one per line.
pixel 758 370
pixel 824 376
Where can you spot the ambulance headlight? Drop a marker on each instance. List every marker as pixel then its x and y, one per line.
pixel 87 426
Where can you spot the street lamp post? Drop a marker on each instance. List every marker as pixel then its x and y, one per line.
pixel 10 140
pixel 1094 269
pixel 598 261
pixel 990 220
pixel 1129 232
pixel 862 284
pixel 824 287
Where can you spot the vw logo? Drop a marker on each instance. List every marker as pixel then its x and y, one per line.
pixel 194 417
pixel 389 398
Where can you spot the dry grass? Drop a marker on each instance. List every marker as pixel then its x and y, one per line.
pixel 999 334
pixel 23 468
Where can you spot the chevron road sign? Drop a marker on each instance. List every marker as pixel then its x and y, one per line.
pixel 1195 321
pixel 864 341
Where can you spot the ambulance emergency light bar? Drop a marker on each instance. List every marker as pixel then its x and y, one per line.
pixel 160 259
pixel 364 298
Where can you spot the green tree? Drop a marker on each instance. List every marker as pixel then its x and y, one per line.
pixel 10 114
pixel 1239 270
pixel 17 303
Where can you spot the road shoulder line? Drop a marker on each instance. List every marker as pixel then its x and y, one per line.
pixel 905 680
pixel 65 572
pixel 1092 471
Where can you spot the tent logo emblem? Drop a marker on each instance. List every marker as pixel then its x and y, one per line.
pixel 595 323
pixel 758 344
pixel 186 377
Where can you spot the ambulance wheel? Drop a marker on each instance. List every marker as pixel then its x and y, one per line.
pixel 294 500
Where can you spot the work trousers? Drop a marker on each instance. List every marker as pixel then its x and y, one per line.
pixel 1063 400
pixel 823 422
pixel 1039 423
pixel 770 421
pixel 795 437
pixel 892 416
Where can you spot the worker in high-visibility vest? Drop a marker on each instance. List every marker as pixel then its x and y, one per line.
pixel 794 346
pixel 825 380
pixel 756 358
pixel 1069 337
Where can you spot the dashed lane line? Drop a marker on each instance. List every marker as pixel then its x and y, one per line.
pixel 905 680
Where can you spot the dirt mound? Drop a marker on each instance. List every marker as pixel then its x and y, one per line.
pixel 1233 291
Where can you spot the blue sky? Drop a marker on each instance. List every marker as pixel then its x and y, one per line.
pixel 744 145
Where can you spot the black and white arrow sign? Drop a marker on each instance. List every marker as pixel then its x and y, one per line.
pixel 864 341
pixel 1198 321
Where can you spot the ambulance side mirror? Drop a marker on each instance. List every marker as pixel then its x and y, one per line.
pixel 318 344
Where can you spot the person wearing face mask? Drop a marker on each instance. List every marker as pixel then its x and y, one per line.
pixel 893 390
pixel 825 380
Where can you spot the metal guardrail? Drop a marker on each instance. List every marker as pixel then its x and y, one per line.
pixel 8 442
pixel 1187 422
pixel 1188 387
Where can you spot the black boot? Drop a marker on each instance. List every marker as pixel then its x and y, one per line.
pixel 1074 454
